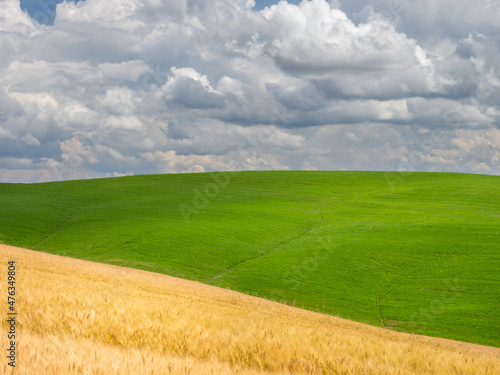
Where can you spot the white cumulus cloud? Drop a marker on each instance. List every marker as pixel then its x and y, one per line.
pixel 129 86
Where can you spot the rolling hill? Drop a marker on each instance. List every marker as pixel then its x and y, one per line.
pixel 80 317
pixel 414 252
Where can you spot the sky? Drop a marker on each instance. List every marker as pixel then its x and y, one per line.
pixel 124 87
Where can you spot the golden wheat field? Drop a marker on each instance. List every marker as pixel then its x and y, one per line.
pixel 79 317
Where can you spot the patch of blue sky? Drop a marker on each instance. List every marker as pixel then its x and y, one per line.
pixel 44 11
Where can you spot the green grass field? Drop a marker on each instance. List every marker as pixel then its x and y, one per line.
pixel 415 252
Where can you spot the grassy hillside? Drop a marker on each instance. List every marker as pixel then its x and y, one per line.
pixel 414 252
pixel 78 317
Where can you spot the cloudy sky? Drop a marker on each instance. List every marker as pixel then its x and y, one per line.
pixel 107 88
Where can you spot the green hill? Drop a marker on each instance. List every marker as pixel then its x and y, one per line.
pixel 416 252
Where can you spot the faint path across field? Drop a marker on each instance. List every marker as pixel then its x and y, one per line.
pixel 55 231
pixel 233 266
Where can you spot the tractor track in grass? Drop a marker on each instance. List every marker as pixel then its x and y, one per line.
pixel 379 313
pixel 55 231
pixel 233 266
